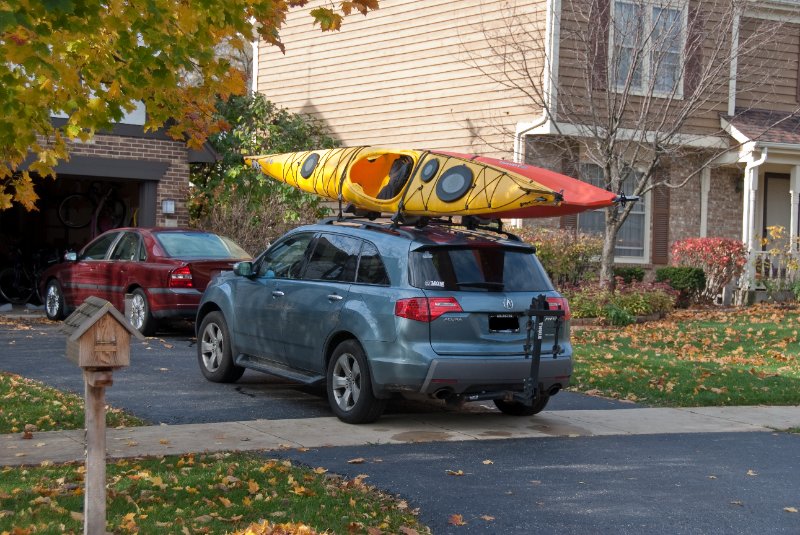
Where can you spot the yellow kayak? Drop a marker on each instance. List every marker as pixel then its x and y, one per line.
pixel 415 182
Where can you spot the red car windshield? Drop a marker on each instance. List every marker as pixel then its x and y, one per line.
pixel 199 245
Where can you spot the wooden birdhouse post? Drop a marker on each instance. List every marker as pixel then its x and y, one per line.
pixel 99 341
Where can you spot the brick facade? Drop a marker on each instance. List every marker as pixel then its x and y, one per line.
pixel 173 185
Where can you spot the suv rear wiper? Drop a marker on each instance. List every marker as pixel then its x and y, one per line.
pixel 484 284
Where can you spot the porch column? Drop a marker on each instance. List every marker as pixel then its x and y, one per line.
pixel 794 207
pixel 749 217
pixel 705 188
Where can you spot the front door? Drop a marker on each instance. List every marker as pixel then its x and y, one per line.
pixel 313 304
pixel 777 212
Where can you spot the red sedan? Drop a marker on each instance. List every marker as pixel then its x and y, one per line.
pixel 165 270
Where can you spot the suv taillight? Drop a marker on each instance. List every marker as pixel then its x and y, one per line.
pixel 181 278
pixel 425 309
pixel 559 303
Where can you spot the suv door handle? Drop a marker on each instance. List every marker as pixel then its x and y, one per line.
pixel 277 293
pixel 335 297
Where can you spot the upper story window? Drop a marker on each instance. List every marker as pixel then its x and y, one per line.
pixel 632 238
pixel 648 40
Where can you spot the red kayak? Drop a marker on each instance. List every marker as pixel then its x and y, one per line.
pixel 578 196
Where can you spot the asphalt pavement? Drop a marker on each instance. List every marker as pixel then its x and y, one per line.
pixel 585 465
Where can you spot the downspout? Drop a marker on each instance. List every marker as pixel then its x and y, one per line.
pixel 519 155
pixel 254 78
pixel 734 59
pixel 521 130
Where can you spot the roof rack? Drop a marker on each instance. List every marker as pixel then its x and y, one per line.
pixel 471 224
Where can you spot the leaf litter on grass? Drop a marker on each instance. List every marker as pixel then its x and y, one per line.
pixel 696 357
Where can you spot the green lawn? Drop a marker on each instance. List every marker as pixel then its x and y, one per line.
pixel 695 358
pixel 218 493
pixel 25 401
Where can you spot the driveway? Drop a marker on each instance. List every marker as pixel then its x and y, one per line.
pixel 164 383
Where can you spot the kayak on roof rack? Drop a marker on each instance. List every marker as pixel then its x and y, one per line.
pixel 432 183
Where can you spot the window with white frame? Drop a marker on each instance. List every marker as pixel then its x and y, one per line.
pixel 647 46
pixel 632 237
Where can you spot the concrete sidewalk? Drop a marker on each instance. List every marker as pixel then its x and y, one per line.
pixel 264 435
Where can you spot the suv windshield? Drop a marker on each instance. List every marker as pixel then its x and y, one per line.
pixel 477 269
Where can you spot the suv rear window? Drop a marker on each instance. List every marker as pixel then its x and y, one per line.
pixel 477 269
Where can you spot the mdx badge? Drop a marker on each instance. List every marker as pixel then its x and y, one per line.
pixel 508 304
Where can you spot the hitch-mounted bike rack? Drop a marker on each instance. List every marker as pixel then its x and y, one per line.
pixel 537 314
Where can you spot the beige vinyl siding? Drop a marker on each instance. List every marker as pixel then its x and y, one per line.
pixel 768 72
pixel 401 76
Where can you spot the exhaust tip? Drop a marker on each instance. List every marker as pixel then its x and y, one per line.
pixel 443 393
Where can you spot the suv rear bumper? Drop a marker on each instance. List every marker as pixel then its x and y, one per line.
pixel 463 375
pixel 459 376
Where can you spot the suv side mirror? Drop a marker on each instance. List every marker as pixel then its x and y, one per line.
pixel 243 269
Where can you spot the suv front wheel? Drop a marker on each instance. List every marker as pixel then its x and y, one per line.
pixel 214 350
pixel 350 386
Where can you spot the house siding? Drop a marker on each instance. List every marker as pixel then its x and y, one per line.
pixel 402 76
pixel 768 73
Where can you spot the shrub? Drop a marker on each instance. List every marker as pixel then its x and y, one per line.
pixel 721 259
pixel 614 314
pixel 253 225
pixel 620 306
pixel 568 257
pixel 688 281
pixel 629 274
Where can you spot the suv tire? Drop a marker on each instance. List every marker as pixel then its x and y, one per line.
pixel 214 350
pixel 349 385
pixel 516 408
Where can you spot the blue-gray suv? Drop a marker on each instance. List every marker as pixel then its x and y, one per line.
pixel 378 309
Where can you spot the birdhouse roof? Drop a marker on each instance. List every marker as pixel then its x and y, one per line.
pixel 88 313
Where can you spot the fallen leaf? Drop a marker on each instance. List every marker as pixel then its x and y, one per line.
pixel 357 460
pixel 487 461
pixel 456 520
pixel 790 509
pixel 738 502
pixel 752 473
pixel 487 518
pixel 454 472
pixel 75 515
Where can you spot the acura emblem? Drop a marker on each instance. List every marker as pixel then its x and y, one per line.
pixel 508 304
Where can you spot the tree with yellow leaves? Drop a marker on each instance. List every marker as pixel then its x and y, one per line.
pixel 91 61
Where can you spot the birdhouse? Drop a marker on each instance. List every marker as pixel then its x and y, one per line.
pixel 98 336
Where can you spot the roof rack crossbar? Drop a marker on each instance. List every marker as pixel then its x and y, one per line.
pixel 469 223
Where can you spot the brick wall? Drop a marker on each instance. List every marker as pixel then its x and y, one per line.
pixel 725 203
pixel 174 184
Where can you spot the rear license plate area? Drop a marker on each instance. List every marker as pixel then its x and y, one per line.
pixel 503 323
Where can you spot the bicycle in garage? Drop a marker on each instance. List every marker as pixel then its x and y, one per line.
pixel 100 207
pixel 19 283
